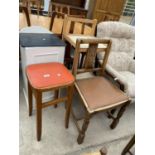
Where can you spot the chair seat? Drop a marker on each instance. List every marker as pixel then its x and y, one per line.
pixel 99 94
pixel 48 75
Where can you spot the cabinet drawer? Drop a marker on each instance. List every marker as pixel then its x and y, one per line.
pixel 43 54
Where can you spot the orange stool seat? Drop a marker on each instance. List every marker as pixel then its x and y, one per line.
pixel 48 75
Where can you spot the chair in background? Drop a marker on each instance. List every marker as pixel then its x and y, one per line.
pixel 58 12
pixel 77 26
pixel 66 9
pixel 57 7
pixel 29 3
pixel 96 92
pixel 56 23
pixel 50 77
pixel 121 65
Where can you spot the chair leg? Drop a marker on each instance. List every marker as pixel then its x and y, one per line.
pixel 112 112
pixel 69 103
pixel 39 114
pixel 38 7
pixel 82 58
pixel 56 96
pixel 120 113
pixel 84 128
pixel 30 98
pixel 129 146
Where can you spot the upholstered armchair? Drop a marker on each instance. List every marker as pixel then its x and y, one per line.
pixel 121 65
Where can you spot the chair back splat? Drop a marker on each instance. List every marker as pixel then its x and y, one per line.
pixel 88 64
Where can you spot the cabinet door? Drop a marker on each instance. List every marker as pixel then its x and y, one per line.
pixel 116 6
pixel 108 10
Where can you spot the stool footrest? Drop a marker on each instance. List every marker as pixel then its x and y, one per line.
pixel 53 102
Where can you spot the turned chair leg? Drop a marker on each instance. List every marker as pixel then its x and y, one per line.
pixel 120 113
pixel 30 99
pixel 84 128
pixel 69 102
pixel 39 114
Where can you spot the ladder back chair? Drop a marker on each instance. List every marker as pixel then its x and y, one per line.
pixel 81 26
pixel 48 77
pixel 96 92
pixel 57 7
pixel 57 23
pixel 76 26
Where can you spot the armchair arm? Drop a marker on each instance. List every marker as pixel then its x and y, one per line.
pixel 132 66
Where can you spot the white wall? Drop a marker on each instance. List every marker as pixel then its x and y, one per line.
pixel 46 5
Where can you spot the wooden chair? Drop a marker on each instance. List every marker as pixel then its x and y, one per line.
pixel 57 22
pixel 73 25
pixel 57 7
pixel 28 4
pixel 96 92
pixel 66 9
pixel 48 77
pixel 77 26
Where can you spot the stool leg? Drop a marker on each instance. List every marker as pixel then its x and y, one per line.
pixel 39 114
pixel 56 96
pixel 30 98
pixel 69 102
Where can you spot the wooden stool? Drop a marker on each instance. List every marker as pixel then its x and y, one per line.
pixel 48 77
